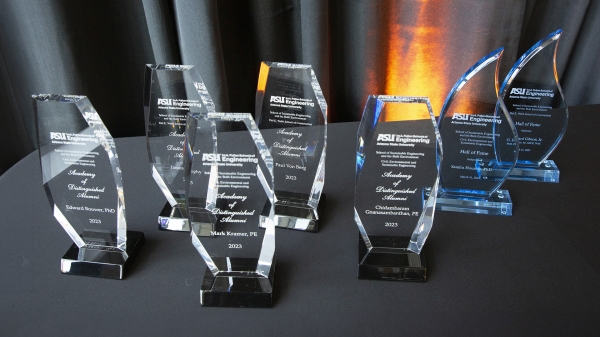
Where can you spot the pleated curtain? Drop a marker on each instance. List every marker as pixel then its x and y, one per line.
pixel 99 48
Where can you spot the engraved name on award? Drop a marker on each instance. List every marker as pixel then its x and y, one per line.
pixel 82 179
pixel 537 106
pixel 396 182
pixel 171 91
pixel 240 256
pixel 291 113
pixel 474 125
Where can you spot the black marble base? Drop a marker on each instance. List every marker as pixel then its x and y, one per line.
pixel 102 263
pixel 295 216
pixel 389 260
pixel 241 287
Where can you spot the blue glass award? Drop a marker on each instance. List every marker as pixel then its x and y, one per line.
pixel 474 125
pixel 397 163
pixel 536 104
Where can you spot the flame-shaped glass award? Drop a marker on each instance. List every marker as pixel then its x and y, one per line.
pixel 396 182
pixel 240 256
pixel 170 93
pixel 82 179
pixel 291 113
pixel 474 125
pixel 536 103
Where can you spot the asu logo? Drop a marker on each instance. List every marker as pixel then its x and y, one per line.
pixel 277 99
pixel 518 91
pixel 211 157
pixel 460 117
pixel 92 116
pixel 58 135
pixel 164 101
pixel 199 86
pixel 385 137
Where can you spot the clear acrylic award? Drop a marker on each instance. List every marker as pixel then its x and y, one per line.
pixel 397 161
pixel 291 113
pixel 240 256
pixel 170 93
pixel 536 103
pixel 475 126
pixel 82 179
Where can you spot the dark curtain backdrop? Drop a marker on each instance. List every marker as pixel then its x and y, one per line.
pixel 99 48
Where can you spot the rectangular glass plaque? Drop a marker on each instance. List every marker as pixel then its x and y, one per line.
pixel 170 93
pixel 537 106
pixel 291 113
pixel 82 179
pixel 240 256
pixel 396 184
pixel 474 125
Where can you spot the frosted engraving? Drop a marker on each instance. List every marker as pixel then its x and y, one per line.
pixel 474 125
pixel 536 103
pixel 171 92
pixel 81 173
pixel 229 148
pixel 396 165
pixel 291 113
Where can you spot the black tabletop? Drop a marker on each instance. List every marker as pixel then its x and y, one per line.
pixel 535 273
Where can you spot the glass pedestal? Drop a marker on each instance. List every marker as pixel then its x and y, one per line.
pixel 546 172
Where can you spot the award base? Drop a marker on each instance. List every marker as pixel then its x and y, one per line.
pixel 102 263
pixel 239 287
pixel 173 219
pixel 294 216
pixel 389 260
pixel 546 172
pixel 499 203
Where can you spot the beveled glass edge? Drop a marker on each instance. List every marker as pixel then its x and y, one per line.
pixel 425 223
pixel 94 121
pixel 190 132
pixel 482 63
pixel 528 55
pixel 319 181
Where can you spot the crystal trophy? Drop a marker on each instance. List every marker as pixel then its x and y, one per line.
pixel 536 103
pixel 82 179
pixel 170 93
pixel 240 256
pixel 474 125
pixel 291 113
pixel 397 163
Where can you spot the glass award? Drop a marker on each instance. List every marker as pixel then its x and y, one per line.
pixel 397 161
pixel 291 113
pixel 82 179
pixel 474 125
pixel 240 256
pixel 170 93
pixel 536 104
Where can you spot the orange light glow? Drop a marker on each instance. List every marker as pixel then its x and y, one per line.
pixel 262 77
pixel 415 56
